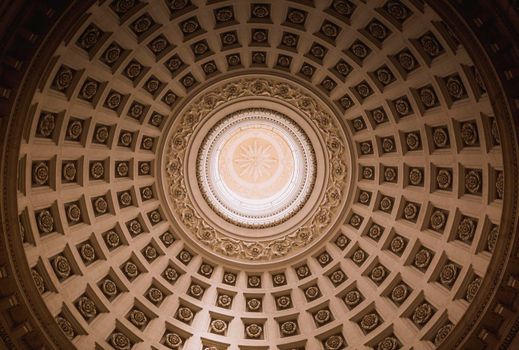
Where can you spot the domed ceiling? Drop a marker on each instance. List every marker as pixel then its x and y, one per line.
pixel 262 175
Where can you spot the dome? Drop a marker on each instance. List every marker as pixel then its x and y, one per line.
pixel 259 175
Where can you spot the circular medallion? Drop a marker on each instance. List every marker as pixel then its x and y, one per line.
pixel 256 168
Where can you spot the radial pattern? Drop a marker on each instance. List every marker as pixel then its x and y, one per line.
pixel 260 175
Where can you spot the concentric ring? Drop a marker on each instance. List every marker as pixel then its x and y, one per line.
pixel 256 168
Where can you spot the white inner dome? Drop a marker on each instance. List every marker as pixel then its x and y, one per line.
pixel 256 168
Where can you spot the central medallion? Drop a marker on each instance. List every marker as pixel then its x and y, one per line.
pixel 256 168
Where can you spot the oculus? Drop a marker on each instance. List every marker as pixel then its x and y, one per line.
pixel 256 168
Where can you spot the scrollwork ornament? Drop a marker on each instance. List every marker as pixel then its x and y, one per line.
pixel 443 333
pixel 473 288
pixel 150 252
pixel 377 30
pixel 390 174
pixel 397 245
pixel 493 235
pixel 217 241
pixel 500 185
pixel 38 281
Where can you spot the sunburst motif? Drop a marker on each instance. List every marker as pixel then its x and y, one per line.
pixel 255 160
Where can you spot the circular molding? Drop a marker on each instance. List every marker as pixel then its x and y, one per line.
pixel 448 333
pixel 336 154
pixel 256 168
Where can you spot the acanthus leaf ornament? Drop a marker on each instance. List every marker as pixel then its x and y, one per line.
pixel 219 242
